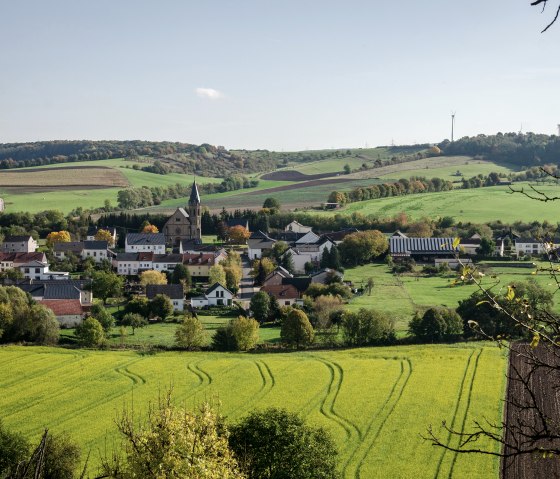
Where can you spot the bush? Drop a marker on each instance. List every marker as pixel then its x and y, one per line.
pixel 241 334
pixel 437 324
pixel 367 326
pixel 90 333
pixel 277 444
pixel 190 334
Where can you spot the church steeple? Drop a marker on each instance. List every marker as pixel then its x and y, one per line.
pixel 195 197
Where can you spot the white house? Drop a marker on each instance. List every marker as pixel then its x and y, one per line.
pixel 167 262
pixel 98 250
pixel 297 227
pixel 257 243
pixel 145 243
pixel 40 270
pixel 308 253
pixel 19 244
pixel 173 291
pixel 216 295
pixel 534 246
pixel 132 263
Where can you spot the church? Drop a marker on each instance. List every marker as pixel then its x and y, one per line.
pixel 185 224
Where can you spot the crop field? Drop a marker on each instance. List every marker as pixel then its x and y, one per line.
pixel 402 295
pixel 478 205
pixel 469 167
pixel 376 402
pixel 53 179
pixel 86 184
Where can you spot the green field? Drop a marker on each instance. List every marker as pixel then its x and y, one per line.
pixel 401 295
pixel 478 205
pixel 163 334
pixel 376 402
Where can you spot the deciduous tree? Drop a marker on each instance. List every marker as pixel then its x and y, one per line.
pixel 190 334
pixel 296 329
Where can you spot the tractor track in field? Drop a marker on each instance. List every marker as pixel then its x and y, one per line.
pixel 106 399
pixel 203 377
pixel 134 377
pixel 328 404
pixel 268 382
pixel 353 465
pixel 460 399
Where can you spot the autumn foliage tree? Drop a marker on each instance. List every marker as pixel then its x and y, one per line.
pixel 149 228
pixel 238 234
pixel 152 277
pixel 104 235
pixel 58 237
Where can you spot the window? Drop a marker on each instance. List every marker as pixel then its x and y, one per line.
pixel 287 303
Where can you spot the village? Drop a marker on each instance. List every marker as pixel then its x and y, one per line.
pixel 283 264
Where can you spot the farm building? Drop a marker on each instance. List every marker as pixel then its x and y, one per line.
pixel 421 249
pixel 297 227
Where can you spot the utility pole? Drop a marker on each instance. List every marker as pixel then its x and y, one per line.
pixel 452 125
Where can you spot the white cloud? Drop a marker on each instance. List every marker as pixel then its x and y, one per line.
pixel 209 93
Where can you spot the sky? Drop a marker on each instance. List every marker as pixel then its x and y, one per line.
pixel 278 75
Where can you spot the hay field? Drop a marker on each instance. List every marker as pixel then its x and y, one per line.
pixel 376 402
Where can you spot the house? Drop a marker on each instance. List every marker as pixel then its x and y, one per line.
pixel 61 249
pixel 257 243
pixel 185 223
pixel 215 295
pixel 338 236
pixel 297 227
pixel 40 270
pixel 145 243
pixel 128 264
pixel 69 300
pixel 286 294
pixel 504 242
pixel 166 262
pixel 470 245
pixel 92 231
pixel 19 244
pixel 325 276
pixel 276 276
pixel 421 249
pixel 199 264
pixel 308 253
pixel 173 291
pixel 308 237
pixel 15 260
pixel 97 250
pixel 535 246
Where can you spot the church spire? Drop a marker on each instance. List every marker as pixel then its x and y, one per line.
pixel 195 197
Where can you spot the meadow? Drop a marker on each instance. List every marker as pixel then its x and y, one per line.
pixel 376 402
pixel 402 295
pixel 480 205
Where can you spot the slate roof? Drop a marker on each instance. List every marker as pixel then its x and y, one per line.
pixel 98 245
pixel 337 236
pixel 195 197
pixel 216 286
pixel 127 257
pixel 301 283
pixel 260 240
pixel 168 258
pixel 16 239
pixel 173 291
pixel 406 246
pixel 145 239
pixel 64 246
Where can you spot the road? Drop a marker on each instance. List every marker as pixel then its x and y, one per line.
pixel 246 288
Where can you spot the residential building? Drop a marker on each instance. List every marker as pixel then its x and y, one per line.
pixel 15 260
pixel 535 246
pixel 258 243
pixel 129 264
pixel 19 244
pixel 199 264
pixel 40 270
pixel 326 275
pixel 92 231
pixel 173 291
pixel 97 250
pixel 145 243
pixel 216 295
pixel 286 294
pixel 297 227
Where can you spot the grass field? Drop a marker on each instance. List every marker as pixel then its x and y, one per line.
pixel 163 334
pixel 376 402
pixel 400 296
pixel 478 205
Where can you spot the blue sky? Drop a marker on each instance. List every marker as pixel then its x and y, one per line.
pixel 281 75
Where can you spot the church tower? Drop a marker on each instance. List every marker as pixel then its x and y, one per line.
pixel 195 213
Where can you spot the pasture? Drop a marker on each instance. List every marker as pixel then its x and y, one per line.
pixel 376 402
pixel 478 205
pixel 402 295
